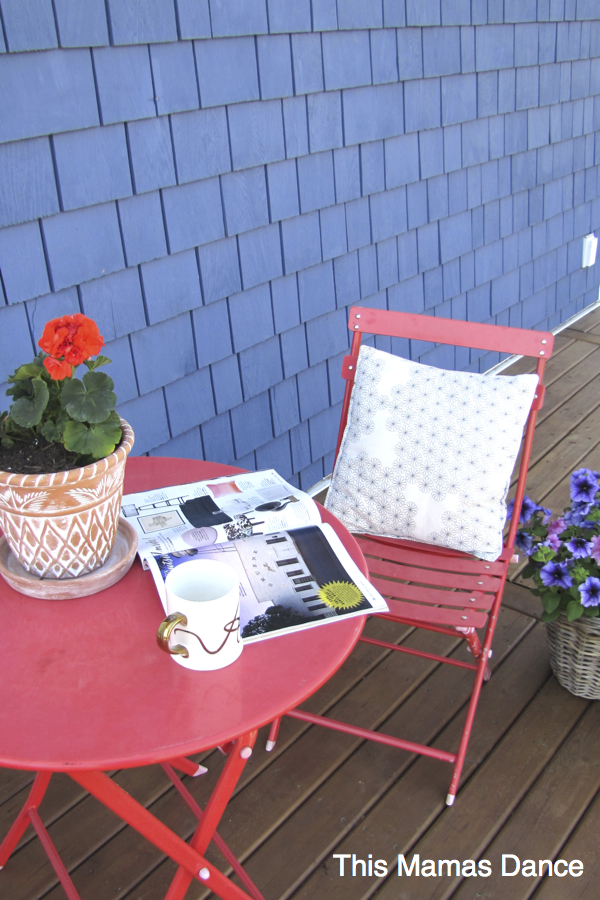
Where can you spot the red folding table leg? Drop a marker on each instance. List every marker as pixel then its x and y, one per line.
pixel 188 767
pixel 217 840
pixel 236 760
pixel 36 795
pixel 273 732
pixel 129 810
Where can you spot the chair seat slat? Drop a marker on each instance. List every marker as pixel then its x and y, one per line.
pixel 429 556
pixel 435 615
pixel 429 596
pixel 432 577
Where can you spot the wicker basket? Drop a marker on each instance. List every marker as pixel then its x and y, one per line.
pixel 575 654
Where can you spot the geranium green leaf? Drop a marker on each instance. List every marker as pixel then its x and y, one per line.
pixel 528 571
pixel 28 411
pixel 30 370
pixel 574 610
pixel 96 440
pixel 96 363
pixel 591 611
pixel 91 399
pixel 52 431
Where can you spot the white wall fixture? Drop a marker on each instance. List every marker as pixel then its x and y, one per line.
pixel 590 246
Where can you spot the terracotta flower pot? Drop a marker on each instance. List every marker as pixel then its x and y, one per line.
pixel 64 524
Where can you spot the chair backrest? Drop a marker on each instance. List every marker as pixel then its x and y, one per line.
pixel 519 341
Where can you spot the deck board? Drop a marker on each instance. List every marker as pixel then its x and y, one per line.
pixel 531 783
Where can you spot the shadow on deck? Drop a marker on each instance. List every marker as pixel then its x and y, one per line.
pixel 529 785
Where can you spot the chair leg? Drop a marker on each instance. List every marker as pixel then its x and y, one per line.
pixel 482 668
pixel 472 639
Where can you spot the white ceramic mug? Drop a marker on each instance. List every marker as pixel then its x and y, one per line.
pixel 202 630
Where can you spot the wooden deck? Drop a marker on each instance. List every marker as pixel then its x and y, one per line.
pixel 530 784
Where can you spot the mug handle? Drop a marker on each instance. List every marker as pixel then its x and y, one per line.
pixel 164 633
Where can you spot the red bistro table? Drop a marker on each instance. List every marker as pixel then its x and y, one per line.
pixel 86 690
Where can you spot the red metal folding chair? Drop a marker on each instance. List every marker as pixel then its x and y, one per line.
pixel 428 586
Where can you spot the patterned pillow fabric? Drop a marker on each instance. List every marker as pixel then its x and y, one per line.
pixel 427 454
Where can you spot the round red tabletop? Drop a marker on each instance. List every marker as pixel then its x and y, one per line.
pixel 85 686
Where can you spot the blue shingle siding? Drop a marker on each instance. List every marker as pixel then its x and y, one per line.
pixel 83 244
pixel 212 333
pixel 227 383
pixel 238 17
pixel 171 285
pixel 256 132
pixel 124 83
pixel 155 368
pixel 200 142
pixel 15 339
pixel 29 25
pixel 193 214
pixel 275 66
pixel 346 59
pixel 173 71
pixel 260 255
pixel 284 405
pixel 133 23
pixel 219 269
pixel 150 416
pixel 315 181
pixel 324 121
pixel 151 154
pixel 245 200
pixel 92 166
pixel 371 113
pixel 46 92
pixel 27 183
pixel 227 71
pixel 81 24
pixel 115 303
pixel 142 228
pixel 43 308
pixel 260 367
pixel 221 179
pixel 251 317
pixel 22 263
pixel 289 17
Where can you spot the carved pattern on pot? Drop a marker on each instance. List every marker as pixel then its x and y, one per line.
pixel 70 529
pixel 14 500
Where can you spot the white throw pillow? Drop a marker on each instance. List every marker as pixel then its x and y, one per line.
pixel 428 454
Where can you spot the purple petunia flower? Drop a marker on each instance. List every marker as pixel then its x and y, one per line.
pixel 527 509
pixel 595 551
pixel 577 515
pixel 524 542
pixel 557 527
pixel 579 547
pixel 584 485
pixel 553 541
pixel 590 592
pixel 555 574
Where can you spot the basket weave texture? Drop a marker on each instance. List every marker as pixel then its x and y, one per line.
pixel 575 655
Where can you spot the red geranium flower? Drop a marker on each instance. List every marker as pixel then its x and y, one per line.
pixel 58 368
pixel 74 338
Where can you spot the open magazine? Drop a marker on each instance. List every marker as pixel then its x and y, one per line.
pixel 294 571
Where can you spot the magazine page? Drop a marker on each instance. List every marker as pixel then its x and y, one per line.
pixel 289 579
pixel 204 513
